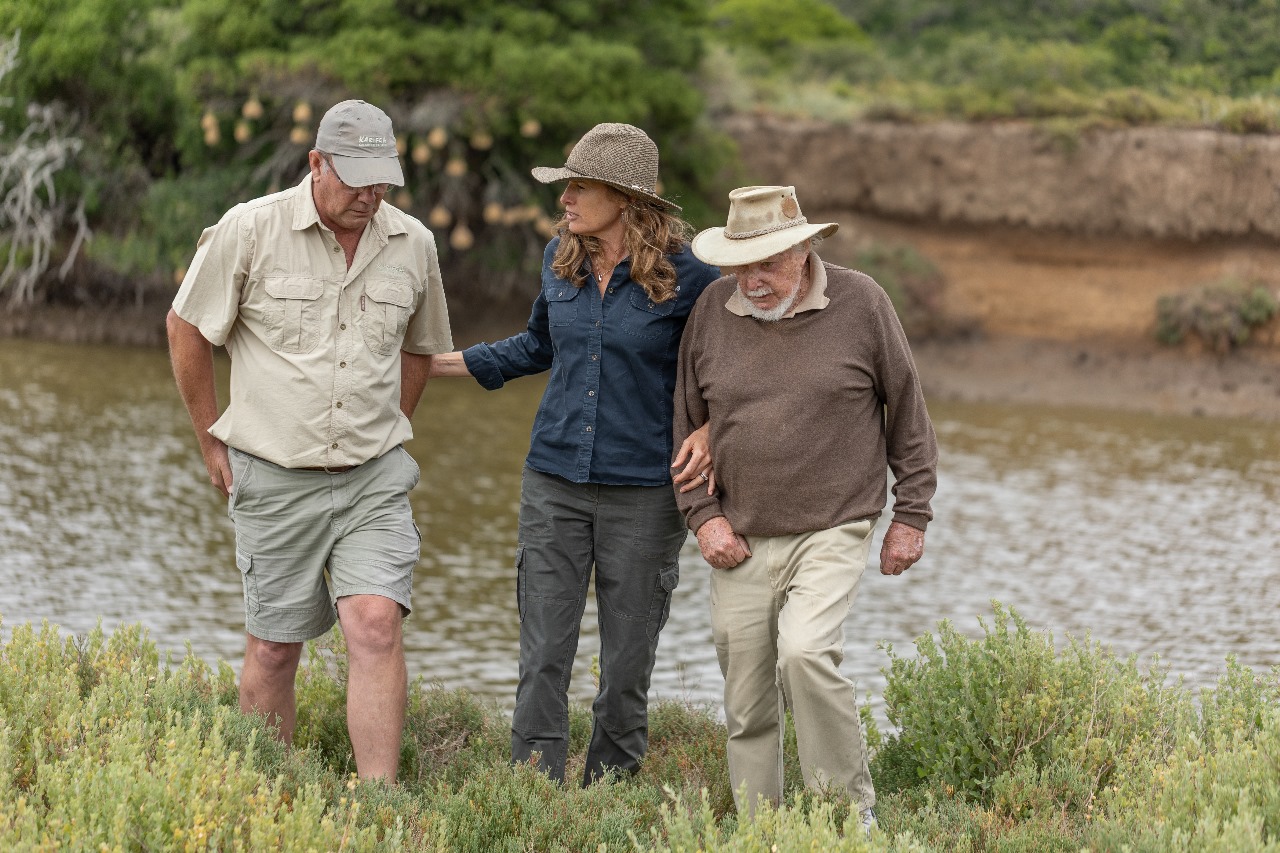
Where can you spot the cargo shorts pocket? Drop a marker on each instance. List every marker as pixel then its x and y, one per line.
pixel 252 602
pixel 668 580
pixel 241 476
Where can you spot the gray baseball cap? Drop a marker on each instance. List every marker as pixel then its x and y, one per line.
pixel 358 138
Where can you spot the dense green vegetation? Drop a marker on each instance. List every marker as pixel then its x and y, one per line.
pixel 1001 742
pixel 1190 62
pixel 169 111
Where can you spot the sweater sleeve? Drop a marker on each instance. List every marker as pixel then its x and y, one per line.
pixel 691 412
pixel 911 445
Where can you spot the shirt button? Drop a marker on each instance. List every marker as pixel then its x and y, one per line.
pixel 334 445
pixel 611 290
pixel 337 249
pixel 597 322
pixel 342 326
pixel 589 394
pixel 588 430
pixel 595 358
pixel 339 404
pixel 342 364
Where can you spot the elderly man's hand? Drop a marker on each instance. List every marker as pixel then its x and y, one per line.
pixel 721 547
pixel 903 546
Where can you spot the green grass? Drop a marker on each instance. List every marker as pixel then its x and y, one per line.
pixel 1002 743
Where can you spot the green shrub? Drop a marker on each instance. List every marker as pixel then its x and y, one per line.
pixel 102 746
pixel 1004 745
pixel 777 27
pixel 687 750
pixel 1251 116
pixel 1215 793
pixel 997 717
pixel 1221 315
pixel 805 824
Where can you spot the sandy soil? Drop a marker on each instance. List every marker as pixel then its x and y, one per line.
pixel 1069 320
pixel 1099 374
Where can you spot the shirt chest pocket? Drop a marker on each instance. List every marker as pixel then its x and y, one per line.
pixel 645 318
pixel 385 309
pixel 562 304
pixel 291 312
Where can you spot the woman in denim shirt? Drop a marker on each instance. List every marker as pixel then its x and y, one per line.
pixel 618 283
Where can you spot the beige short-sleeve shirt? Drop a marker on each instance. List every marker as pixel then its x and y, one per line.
pixel 315 346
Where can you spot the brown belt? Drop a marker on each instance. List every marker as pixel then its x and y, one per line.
pixel 331 469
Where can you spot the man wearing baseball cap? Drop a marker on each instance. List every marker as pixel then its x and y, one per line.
pixel 804 373
pixel 331 306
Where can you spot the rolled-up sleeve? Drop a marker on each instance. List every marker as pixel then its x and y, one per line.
pixel 429 332
pixel 209 297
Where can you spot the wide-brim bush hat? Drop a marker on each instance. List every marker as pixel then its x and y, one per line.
pixel 620 155
pixel 359 140
pixel 763 221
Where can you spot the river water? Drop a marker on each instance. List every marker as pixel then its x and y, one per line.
pixel 1157 536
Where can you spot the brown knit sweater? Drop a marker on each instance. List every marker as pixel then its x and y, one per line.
pixel 805 412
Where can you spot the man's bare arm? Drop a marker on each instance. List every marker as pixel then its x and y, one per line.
pixel 414 372
pixel 192 358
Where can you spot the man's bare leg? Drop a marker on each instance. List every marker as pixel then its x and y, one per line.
pixel 377 686
pixel 266 684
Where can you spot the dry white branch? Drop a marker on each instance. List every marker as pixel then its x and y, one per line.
pixel 32 217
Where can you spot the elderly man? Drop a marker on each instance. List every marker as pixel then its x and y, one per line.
pixel 805 375
pixel 330 306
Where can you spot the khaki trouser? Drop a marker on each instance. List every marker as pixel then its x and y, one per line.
pixel 778 623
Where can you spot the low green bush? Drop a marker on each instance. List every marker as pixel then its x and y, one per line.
pixel 1220 792
pixel 1011 723
pixel 1221 315
pixel 1003 743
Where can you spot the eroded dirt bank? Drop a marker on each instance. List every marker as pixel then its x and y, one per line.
pixel 1148 182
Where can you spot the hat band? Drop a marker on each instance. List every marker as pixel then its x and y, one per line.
pixel 590 174
pixel 760 232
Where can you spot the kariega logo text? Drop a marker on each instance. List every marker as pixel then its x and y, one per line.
pixel 373 140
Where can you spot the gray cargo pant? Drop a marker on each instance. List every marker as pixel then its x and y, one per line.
pixel 631 536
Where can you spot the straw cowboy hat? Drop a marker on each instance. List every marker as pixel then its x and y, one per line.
pixel 763 221
pixel 620 155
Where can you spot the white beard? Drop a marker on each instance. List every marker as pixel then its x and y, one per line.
pixel 776 313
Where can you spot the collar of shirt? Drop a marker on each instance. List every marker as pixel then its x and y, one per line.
pixel 815 300
pixel 385 223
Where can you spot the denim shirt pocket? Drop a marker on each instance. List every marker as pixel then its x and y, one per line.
pixel 291 312
pixel 645 318
pixel 562 303
pixel 387 307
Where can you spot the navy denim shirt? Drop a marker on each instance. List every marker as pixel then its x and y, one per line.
pixel 606 414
